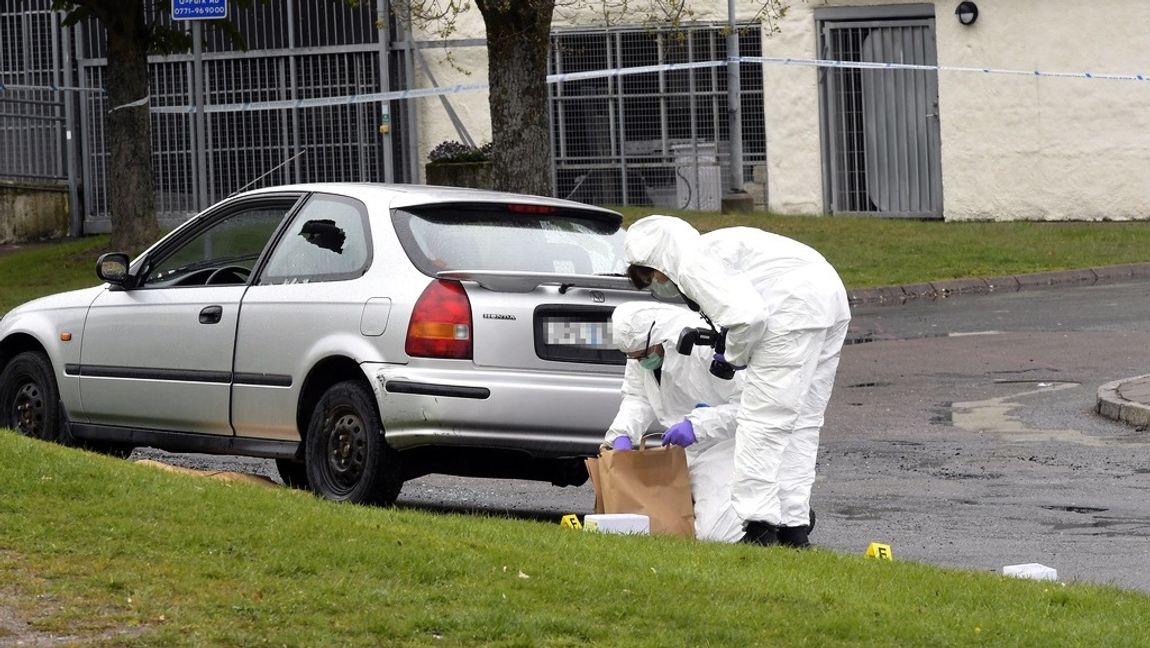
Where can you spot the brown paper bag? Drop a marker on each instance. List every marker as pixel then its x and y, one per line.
pixel 652 482
pixel 593 471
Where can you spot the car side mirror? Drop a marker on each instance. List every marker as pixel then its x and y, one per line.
pixel 113 268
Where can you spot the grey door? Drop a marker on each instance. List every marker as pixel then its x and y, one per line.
pixel 880 126
pixel 159 356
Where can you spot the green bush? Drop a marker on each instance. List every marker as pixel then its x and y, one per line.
pixel 453 151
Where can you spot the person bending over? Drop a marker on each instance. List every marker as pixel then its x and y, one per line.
pixel 785 313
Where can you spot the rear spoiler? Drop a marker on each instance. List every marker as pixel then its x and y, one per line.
pixel 509 281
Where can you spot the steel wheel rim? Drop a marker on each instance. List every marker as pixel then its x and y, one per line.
pixel 346 448
pixel 28 410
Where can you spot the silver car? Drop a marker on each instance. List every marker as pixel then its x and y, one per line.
pixel 359 334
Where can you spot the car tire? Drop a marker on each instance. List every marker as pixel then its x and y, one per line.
pixel 292 472
pixel 29 397
pixel 347 458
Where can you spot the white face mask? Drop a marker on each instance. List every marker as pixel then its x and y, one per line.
pixel 665 289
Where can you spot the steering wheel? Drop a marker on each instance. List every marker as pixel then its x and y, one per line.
pixel 228 275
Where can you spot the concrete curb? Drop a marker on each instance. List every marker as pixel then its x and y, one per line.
pixel 1123 400
pixel 895 295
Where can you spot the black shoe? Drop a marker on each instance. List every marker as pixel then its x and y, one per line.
pixel 760 533
pixel 795 536
pixel 811 526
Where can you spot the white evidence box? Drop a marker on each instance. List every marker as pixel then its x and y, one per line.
pixel 617 523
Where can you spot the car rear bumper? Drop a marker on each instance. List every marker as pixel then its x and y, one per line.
pixel 543 413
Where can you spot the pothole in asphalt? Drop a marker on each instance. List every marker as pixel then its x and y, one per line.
pixel 955 475
pixel 1076 509
pixel 861 513
pixel 941 414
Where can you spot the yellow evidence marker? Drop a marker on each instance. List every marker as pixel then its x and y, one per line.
pixel 879 551
pixel 570 522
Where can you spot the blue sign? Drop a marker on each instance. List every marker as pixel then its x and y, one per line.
pixel 199 9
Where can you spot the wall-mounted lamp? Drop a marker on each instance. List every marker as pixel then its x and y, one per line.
pixel 967 13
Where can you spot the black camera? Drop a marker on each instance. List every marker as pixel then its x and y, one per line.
pixel 689 338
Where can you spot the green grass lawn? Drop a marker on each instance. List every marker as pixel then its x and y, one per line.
pixel 43 269
pixel 868 252
pixel 118 554
pixel 97 547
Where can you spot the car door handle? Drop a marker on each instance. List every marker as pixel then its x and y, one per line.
pixel 211 314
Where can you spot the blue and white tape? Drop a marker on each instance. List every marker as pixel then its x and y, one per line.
pixel 375 97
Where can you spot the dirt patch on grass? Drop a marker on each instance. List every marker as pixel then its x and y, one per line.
pixel 23 620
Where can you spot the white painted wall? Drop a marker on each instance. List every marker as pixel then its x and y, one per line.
pixel 452 66
pixel 1013 147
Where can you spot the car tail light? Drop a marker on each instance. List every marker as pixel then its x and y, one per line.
pixel 440 322
pixel 531 209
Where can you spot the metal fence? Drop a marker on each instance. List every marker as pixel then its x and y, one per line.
pixel 32 134
pixel 658 138
pixel 294 50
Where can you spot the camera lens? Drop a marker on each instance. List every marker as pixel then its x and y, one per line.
pixel 722 370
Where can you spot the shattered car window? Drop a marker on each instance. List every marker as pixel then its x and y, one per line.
pixel 327 241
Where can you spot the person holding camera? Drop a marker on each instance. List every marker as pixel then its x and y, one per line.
pixel 678 392
pixel 784 312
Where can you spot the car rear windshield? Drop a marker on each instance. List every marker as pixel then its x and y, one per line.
pixel 517 238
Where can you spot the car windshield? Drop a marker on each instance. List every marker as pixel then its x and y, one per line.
pixel 517 238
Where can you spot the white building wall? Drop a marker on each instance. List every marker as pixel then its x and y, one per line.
pixel 451 66
pixel 1013 147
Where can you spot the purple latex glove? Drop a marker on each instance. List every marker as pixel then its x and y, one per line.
pixel 721 358
pixel 680 434
pixel 622 443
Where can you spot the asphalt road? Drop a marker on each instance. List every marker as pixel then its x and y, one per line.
pixel 961 432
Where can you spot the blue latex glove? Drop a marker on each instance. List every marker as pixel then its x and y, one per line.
pixel 622 443
pixel 680 434
pixel 720 358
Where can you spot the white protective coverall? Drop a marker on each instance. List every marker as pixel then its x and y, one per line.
pixel 684 382
pixel 787 314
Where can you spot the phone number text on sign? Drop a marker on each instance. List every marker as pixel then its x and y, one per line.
pixel 199 9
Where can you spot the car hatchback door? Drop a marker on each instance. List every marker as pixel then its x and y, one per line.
pixel 159 355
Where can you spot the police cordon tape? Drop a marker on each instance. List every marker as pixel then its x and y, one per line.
pixel 345 100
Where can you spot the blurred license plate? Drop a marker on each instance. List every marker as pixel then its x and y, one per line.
pixel 595 335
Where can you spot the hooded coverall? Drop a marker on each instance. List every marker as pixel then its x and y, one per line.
pixel 786 314
pixel 676 391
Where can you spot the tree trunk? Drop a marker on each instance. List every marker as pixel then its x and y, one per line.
pixel 131 190
pixel 518 40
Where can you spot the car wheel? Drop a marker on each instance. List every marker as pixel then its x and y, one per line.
pixel 292 472
pixel 347 457
pixel 29 398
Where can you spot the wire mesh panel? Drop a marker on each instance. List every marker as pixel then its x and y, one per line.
pixel 288 51
pixel 31 120
pixel 172 162
pixel 341 141
pixel 881 126
pixel 655 138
